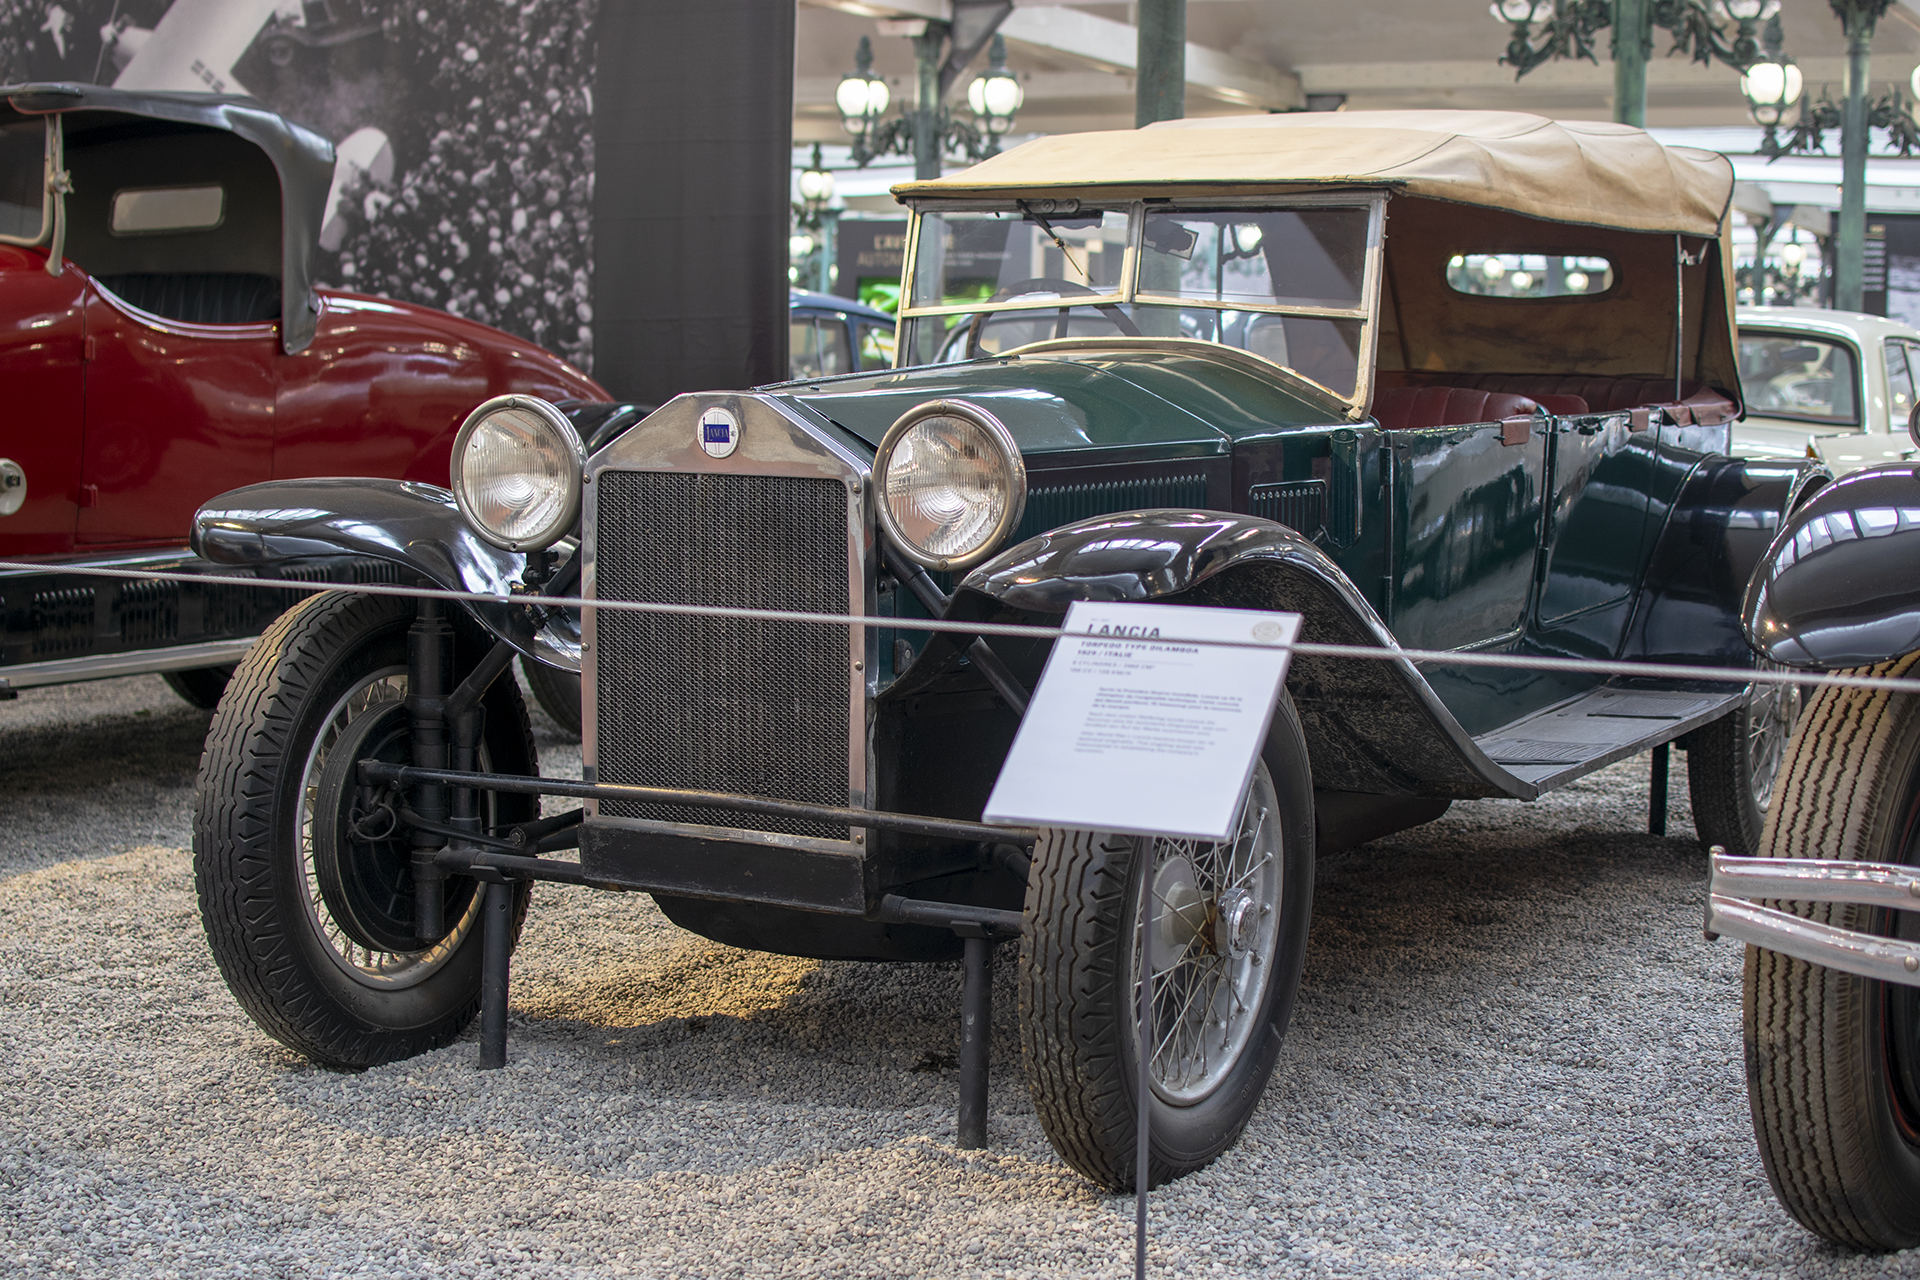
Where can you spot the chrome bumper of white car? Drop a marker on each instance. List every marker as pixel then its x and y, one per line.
pixel 1739 885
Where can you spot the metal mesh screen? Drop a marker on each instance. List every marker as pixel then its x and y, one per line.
pixel 724 704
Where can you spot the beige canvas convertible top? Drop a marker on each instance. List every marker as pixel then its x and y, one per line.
pixel 1576 171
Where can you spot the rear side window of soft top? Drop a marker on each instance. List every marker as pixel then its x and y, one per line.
pixel 1529 275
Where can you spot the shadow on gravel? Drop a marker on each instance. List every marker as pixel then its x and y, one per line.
pixel 94 769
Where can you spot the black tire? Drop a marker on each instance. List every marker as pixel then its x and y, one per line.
pixel 1833 1060
pixel 200 687
pixel 1733 765
pixel 300 914
pixel 1078 965
pixel 557 692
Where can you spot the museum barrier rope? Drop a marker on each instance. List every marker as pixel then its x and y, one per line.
pixel 1530 662
pixel 1806 680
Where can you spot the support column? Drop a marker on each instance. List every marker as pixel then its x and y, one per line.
pixel 926 106
pixel 1657 790
pixel 496 928
pixel 1632 46
pixel 976 1039
pixel 1160 81
pixel 1850 236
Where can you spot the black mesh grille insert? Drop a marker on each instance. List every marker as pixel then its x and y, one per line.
pixel 724 704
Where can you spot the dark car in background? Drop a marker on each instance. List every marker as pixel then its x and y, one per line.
pixel 830 335
pixel 162 340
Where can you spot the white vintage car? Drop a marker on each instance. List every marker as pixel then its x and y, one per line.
pixel 1832 385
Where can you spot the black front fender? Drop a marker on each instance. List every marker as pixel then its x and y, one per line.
pixel 416 526
pixel 1712 540
pixel 1373 725
pixel 1840 584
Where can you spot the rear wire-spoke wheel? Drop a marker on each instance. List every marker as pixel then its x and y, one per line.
pixel 1733 763
pixel 557 692
pixel 304 875
pixel 1228 924
pixel 199 686
pixel 1833 1060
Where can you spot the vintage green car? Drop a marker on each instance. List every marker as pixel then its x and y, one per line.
pixel 1279 363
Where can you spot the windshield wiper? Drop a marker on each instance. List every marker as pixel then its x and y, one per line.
pixel 1040 220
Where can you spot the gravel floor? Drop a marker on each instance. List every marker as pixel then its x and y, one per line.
pixel 1514 1056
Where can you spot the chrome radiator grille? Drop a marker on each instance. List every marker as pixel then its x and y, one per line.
pixel 723 704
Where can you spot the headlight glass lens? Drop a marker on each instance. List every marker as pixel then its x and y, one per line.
pixel 953 488
pixel 517 474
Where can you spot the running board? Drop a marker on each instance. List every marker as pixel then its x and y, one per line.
pixel 1551 748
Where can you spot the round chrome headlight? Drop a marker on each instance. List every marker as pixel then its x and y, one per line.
pixel 516 472
pixel 950 482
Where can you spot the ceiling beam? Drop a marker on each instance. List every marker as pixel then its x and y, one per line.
pixel 1108 46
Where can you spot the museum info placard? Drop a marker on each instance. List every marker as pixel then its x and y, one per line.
pixel 1134 728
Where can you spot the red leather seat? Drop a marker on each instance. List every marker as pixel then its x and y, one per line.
pixel 1401 408
pixel 1570 393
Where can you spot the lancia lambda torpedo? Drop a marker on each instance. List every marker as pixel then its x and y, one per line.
pixel 1440 381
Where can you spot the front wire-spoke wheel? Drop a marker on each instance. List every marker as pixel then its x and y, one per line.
pixel 1833 1060
pixel 1228 926
pixel 305 875
pixel 1212 923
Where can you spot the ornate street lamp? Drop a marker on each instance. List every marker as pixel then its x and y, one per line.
pixel 929 130
pixel 1707 31
pixel 995 96
pixel 862 96
pixel 1855 118
pixel 815 213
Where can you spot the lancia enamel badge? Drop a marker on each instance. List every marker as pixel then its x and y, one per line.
pixel 719 432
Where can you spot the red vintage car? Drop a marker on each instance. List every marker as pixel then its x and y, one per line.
pixel 162 341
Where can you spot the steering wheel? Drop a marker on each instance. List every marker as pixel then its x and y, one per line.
pixel 1046 284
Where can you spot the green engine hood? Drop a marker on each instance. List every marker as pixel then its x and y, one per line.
pixel 1156 402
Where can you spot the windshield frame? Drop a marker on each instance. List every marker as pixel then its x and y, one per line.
pixel 51 163
pixel 1128 294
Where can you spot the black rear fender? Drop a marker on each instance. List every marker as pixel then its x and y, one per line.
pixel 1711 542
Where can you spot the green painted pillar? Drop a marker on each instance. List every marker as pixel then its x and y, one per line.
pixel 1160 79
pixel 926 104
pixel 1857 17
pixel 1632 46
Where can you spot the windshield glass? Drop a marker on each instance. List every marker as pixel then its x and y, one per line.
pixel 1797 376
pixel 23 154
pixel 970 258
pixel 1288 258
pixel 1288 285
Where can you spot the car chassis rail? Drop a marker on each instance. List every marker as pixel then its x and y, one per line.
pixel 1738 887
pixel 495 862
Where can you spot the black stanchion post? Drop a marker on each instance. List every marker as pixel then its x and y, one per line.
pixel 1143 1087
pixel 1657 791
pixel 496 923
pixel 976 1037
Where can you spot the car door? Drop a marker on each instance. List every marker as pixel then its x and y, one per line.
pixel 178 234
pixel 176 413
pixel 1468 507
pixel 41 340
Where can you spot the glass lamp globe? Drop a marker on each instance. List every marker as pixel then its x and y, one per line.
pixel 1793 254
pixel 1743 10
pixel 1577 281
pixel 816 186
pixel 1493 268
pixel 800 245
pixel 1515 11
pixel 861 100
pixel 995 98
